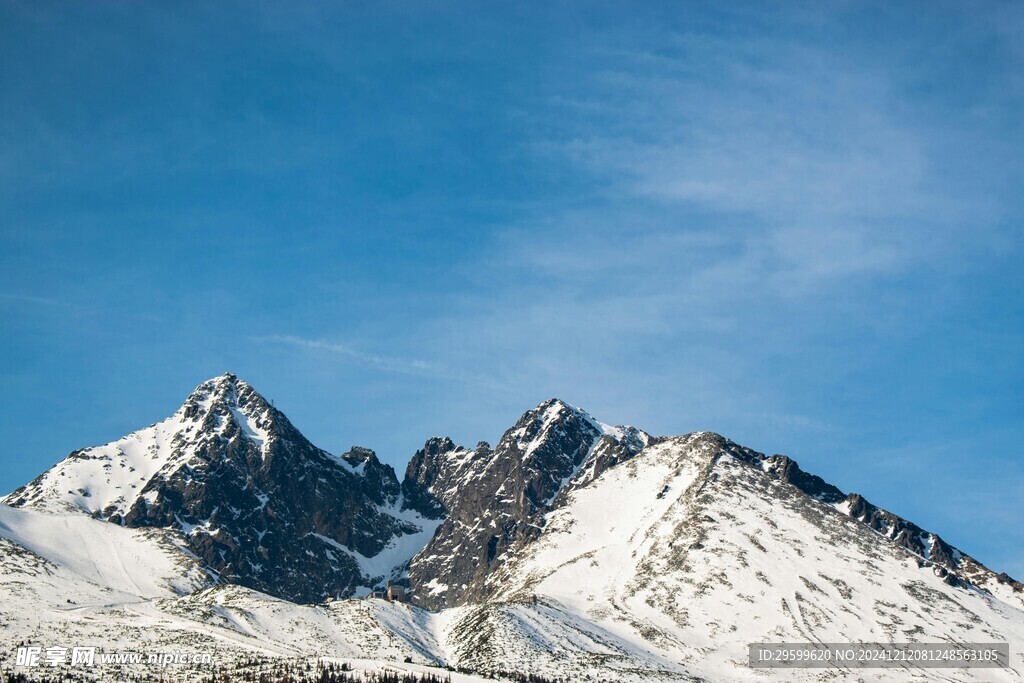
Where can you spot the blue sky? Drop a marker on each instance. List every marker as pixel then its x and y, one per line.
pixel 798 225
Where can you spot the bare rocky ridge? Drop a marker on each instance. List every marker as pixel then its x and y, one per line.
pixel 493 500
pixel 956 567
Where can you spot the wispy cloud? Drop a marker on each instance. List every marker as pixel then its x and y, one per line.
pixel 815 170
pixel 775 185
pixel 28 299
pixel 407 366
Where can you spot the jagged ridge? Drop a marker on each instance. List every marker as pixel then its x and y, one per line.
pixel 265 508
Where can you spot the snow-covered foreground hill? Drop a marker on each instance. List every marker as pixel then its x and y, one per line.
pixel 662 569
pixel 573 550
pixel 68 580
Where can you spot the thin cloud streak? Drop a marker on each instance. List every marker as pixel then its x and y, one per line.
pixel 419 368
pixel 405 366
pixel 32 299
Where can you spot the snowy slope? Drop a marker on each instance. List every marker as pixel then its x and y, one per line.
pixel 124 591
pixel 109 477
pixel 690 551
pixel 142 563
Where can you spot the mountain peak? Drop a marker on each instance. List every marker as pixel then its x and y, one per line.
pixel 226 397
pixel 553 411
pixel 554 401
pixel 224 387
pixel 492 500
pixel 554 416
pixel 221 382
pixel 246 491
pixel 359 455
pixel 111 479
pixel 439 444
pixel 555 407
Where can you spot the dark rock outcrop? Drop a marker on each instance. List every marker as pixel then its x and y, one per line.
pixel 492 500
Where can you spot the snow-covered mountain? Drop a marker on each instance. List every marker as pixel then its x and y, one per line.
pixel 715 550
pixel 572 549
pixel 252 497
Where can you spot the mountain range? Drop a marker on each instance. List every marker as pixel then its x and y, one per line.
pixel 572 549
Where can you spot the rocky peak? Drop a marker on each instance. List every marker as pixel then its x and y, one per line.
pixel 223 387
pixel 358 456
pixel 786 469
pixel 381 481
pixel 227 391
pixel 426 467
pixel 491 500
pixel 552 417
pixel 227 401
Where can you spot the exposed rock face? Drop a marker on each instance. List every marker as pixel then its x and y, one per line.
pixel 786 469
pixel 381 484
pixel 493 500
pixel 432 462
pixel 255 500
